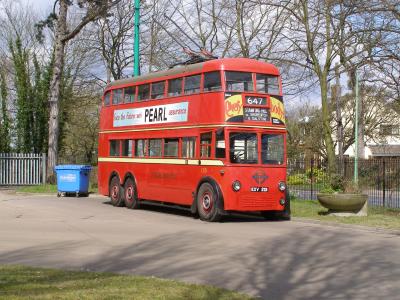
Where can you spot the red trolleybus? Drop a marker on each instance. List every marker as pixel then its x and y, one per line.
pixel 209 136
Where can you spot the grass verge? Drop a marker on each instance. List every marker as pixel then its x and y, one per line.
pixel 46 189
pixel 377 216
pixel 19 282
pixel 42 188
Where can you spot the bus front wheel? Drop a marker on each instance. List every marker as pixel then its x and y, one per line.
pixel 208 203
pixel 130 194
pixel 116 192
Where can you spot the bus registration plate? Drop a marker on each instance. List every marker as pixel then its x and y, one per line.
pixel 258 189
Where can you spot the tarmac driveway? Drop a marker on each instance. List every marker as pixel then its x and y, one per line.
pixel 273 260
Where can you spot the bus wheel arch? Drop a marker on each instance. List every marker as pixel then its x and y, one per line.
pixel 115 190
pixel 208 201
pixel 130 196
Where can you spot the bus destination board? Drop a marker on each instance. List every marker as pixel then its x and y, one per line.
pixel 256 114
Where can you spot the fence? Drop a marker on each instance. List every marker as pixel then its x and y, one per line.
pixel 22 168
pixel 378 178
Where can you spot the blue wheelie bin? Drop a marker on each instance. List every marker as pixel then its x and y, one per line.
pixel 73 179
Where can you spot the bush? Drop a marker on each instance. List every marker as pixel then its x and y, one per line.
pixel 317 175
pixel 297 179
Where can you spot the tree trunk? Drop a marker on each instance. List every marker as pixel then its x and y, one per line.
pixel 330 151
pixel 55 90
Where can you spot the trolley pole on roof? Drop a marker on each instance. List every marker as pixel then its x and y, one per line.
pixel 136 68
pixel 356 135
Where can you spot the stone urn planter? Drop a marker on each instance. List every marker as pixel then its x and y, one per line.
pixel 344 204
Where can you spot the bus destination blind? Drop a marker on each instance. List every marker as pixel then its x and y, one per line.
pixel 256 114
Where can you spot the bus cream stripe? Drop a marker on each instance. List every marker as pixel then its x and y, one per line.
pixel 205 162
pixel 188 127
pixel 172 161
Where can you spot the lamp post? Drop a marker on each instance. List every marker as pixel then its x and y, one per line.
pixel 136 68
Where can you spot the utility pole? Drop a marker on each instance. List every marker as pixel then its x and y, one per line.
pixel 356 135
pixel 339 135
pixel 136 68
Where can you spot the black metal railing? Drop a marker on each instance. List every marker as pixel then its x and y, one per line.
pixel 378 178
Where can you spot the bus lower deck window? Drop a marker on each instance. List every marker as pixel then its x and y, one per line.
pixel 155 147
pixel 188 147
pixel 243 148
pixel 272 149
pixel 114 148
pixel 205 144
pixel 238 81
pixel 212 81
pixel 140 148
pixel 127 146
pixel 171 147
pixel 220 144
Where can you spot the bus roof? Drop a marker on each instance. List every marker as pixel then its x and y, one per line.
pixel 233 64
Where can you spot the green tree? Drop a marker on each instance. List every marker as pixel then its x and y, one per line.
pixel 24 104
pixel 40 93
pixel 5 136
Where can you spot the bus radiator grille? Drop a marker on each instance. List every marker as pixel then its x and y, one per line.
pixel 255 202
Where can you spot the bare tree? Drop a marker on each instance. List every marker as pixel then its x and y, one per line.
pixel 92 11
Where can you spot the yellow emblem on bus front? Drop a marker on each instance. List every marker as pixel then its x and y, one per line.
pixel 233 107
pixel 277 110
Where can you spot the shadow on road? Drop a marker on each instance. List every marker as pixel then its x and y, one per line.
pixel 185 212
pixel 313 263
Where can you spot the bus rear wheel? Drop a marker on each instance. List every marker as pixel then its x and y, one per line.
pixel 116 192
pixel 130 194
pixel 208 203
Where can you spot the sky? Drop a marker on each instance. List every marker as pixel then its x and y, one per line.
pixel 44 7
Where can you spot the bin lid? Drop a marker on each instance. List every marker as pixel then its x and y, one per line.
pixel 73 167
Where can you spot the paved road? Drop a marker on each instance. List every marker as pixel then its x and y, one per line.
pixel 274 260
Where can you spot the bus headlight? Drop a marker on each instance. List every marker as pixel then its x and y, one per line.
pixel 282 202
pixel 281 186
pixel 236 185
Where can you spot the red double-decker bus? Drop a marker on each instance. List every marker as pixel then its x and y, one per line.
pixel 209 136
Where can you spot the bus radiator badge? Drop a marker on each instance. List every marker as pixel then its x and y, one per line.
pixel 260 176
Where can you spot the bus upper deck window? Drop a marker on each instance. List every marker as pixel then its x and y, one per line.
pixel 107 97
pixel 157 90
pixel 129 94
pixel 117 96
pixel 175 87
pixel 212 81
pixel 267 84
pixel 192 84
pixel 238 81
pixel 144 92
